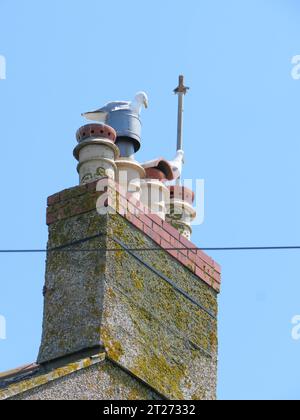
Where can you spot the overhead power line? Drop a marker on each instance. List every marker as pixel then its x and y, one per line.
pixel 244 248
pixel 67 248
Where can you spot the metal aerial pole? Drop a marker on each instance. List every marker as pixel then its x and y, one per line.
pixel 181 91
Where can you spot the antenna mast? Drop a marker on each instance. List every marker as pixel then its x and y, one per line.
pixel 181 91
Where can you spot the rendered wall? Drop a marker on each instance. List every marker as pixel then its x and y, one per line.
pixel 104 381
pixel 150 313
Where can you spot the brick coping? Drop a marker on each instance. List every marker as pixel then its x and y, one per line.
pixel 160 231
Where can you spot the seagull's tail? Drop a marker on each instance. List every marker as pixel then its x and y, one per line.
pixel 95 116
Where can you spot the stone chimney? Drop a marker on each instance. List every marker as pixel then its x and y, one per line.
pixel 127 283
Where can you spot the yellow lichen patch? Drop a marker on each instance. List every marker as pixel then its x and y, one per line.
pixel 113 347
pixel 119 255
pixel 111 294
pixel 213 339
pixel 26 385
pixel 134 394
pixel 137 280
pixel 199 397
pixel 161 375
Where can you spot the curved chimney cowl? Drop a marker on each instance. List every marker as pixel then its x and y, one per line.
pixel 159 169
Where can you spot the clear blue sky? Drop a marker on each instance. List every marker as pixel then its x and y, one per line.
pixel 242 136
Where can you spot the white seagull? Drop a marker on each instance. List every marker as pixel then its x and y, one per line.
pixel 177 164
pixel 101 115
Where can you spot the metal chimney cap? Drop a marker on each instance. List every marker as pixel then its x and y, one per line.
pixel 127 125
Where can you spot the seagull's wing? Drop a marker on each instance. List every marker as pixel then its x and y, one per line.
pixel 115 106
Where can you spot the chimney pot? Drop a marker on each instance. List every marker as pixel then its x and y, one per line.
pixel 180 212
pixel 96 152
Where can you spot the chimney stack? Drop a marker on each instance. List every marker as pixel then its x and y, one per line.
pixel 153 315
pixel 128 284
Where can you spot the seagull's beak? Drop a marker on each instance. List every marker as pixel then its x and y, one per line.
pixel 146 103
